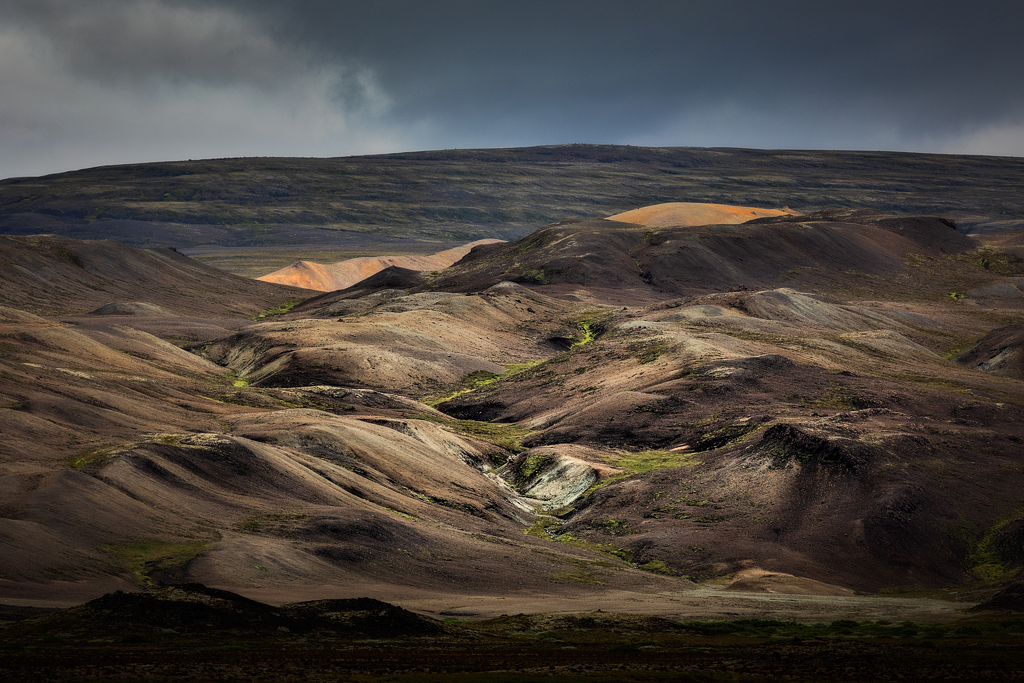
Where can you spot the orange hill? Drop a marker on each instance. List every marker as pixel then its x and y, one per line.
pixel 678 214
pixel 330 277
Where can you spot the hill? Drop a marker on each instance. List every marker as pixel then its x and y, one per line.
pixel 605 411
pixel 462 195
pixel 824 249
pixel 343 274
pixel 50 274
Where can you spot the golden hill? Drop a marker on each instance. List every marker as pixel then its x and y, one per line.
pixel 330 277
pixel 678 214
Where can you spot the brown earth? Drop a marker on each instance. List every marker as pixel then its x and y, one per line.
pixel 54 275
pixel 829 250
pixel 595 384
pixel 328 278
pixel 1000 352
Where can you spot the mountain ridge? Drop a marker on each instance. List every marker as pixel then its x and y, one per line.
pixel 462 195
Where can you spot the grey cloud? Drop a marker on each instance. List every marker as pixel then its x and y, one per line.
pixel 109 82
pixel 142 40
pixel 918 70
pixel 346 77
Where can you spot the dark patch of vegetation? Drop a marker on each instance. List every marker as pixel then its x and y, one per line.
pixel 533 464
pixel 276 311
pixel 468 194
pixel 144 558
pixel 210 634
pixel 650 350
pixel 93 458
pixel 507 436
pixel 482 379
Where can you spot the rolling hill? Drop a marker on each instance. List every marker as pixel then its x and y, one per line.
pixel 344 274
pixel 455 196
pixel 601 410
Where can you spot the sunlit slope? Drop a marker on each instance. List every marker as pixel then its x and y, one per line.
pixel 674 214
pixel 334 276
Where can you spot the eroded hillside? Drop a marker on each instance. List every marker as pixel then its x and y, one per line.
pixel 775 405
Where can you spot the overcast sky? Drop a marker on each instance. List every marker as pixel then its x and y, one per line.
pixel 91 82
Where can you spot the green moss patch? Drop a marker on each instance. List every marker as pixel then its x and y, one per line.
pixel 641 462
pixel 582 573
pixel 591 324
pixel 533 464
pixel 481 379
pixel 507 436
pixel 985 561
pixel 659 567
pixel 141 558
pixel 93 457
pixel 276 311
pixel 650 350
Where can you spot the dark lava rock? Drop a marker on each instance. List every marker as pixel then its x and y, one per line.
pixel 195 608
pixel 1010 599
pixel 367 616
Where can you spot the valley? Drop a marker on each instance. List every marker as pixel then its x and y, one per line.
pixel 804 417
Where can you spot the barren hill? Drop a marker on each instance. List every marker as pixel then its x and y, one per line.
pixel 817 249
pixel 328 278
pixel 58 275
pixel 602 411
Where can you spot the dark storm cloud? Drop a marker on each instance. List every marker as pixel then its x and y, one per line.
pixel 123 80
pixel 922 69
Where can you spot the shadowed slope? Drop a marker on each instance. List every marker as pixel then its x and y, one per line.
pixel 770 431
pixel 169 479
pixel 781 439
pixel 411 344
pixel 1000 352
pixel 62 276
pixel 297 501
pixel 830 247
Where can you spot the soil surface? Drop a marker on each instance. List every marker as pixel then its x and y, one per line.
pixel 801 418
